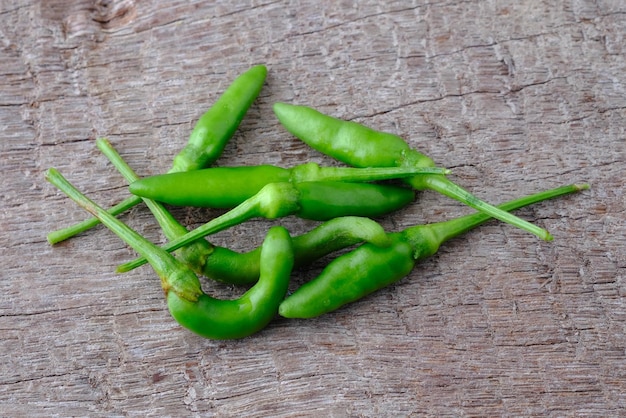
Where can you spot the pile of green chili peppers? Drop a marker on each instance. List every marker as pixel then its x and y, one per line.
pixel 343 199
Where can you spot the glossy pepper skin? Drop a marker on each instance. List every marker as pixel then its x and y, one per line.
pixel 323 200
pixel 347 141
pixel 226 187
pixel 188 304
pixel 361 146
pixel 351 277
pixel 253 311
pixel 366 269
pixel 219 187
pixel 206 143
pixel 218 124
pixel 310 200
pixel 336 234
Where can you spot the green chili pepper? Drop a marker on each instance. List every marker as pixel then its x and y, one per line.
pixel 215 128
pixel 360 146
pixel 220 187
pixel 229 319
pixel 206 143
pixel 309 200
pixel 338 233
pixel 226 187
pixel 187 303
pixel 368 268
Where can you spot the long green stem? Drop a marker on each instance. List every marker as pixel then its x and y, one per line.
pixel 443 231
pixel 446 187
pixel 59 235
pixel 195 254
pixel 171 227
pixel 174 275
pixel 132 238
pixel 313 172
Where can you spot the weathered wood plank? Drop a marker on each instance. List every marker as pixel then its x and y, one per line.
pixel 514 96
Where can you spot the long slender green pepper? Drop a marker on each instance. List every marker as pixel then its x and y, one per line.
pixel 355 274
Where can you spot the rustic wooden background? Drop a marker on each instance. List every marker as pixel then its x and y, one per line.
pixel 515 96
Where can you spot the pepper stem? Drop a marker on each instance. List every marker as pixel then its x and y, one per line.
pixel 444 231
pixel 164 264
pixel 59 235
pixel 194 255
pixel 170 226
pixel 313 172
pixel 446 187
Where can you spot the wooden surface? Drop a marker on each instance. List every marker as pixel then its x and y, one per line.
pixel 514 96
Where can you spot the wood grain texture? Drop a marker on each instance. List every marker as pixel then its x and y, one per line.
pixel 514 96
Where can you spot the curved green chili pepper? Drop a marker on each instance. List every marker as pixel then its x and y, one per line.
pixel 226 187
pixel 206 143
pixel 232 267
pixel 309 200
pixel 229 319
pixel 366 269
pixel 192 308
pixel 360 146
